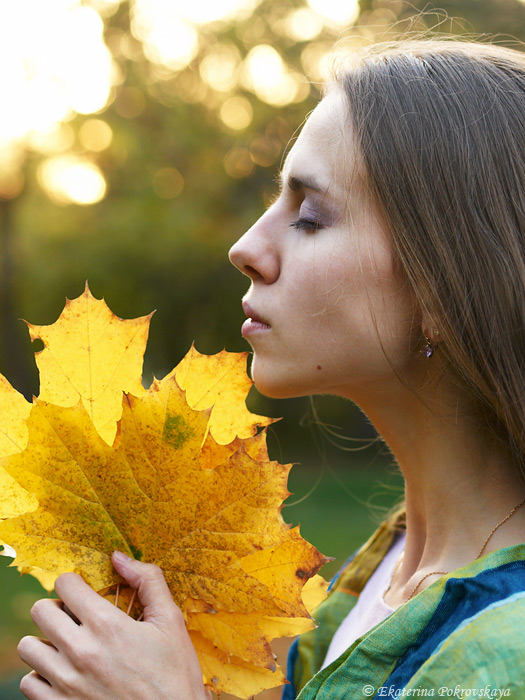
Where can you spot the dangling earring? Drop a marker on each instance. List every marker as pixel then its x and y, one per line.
pixel 429 348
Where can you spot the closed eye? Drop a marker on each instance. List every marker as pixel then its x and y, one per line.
pixel 306 224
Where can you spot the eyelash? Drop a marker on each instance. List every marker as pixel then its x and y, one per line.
pixel 306 224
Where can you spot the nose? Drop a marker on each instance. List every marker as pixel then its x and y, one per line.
pixel 256 254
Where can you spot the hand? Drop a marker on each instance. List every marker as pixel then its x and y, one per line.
pixel 105 654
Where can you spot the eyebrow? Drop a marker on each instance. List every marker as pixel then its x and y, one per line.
pixel 295 184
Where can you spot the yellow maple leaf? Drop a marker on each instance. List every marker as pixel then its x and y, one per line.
pixel 217 533
pixel 227 673
pixel 90 353
pixel 188 485
pixel 14 410
pixel 245 628
pixel 217 382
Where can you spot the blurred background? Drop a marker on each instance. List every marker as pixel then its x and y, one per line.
pixel 138 140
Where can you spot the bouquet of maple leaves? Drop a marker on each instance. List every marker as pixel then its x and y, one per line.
pixel 177 475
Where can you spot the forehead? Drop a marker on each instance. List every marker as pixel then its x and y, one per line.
pixel 325 148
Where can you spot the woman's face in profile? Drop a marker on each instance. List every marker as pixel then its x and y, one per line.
pixel 327 312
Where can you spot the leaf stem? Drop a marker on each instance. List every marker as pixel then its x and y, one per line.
pixel 131 601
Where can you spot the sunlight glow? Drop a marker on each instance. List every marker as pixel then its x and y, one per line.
pixel 168 39
pixel 169 30
pixel 336 12
pixel 317 60
pixel 70 179
pixel 105 7
pixel 55 63
pixel 203 11
pixel 303 24
pixel 236 113
pixel 57 139
pixel 219 67
pixel 95 135
pixel 267 75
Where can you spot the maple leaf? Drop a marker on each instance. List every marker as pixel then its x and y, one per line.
pixel 15 500
pixel 217 382
pixel 90 353
pixel 14 410
pixel 187 484
pixel 217 533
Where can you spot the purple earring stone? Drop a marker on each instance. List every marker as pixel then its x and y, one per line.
pixel 428 350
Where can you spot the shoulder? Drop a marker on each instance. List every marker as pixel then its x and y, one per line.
pixel 485 650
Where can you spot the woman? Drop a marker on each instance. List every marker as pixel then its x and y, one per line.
pixel 390 270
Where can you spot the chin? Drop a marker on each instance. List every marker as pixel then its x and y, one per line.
pixel 276 386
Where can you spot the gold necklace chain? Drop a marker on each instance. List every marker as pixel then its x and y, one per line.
pixel 434 573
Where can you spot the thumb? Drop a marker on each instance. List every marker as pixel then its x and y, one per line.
pixel 151 587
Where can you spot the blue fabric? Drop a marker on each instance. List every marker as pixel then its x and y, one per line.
pixel 289 691
pixel 340 571
pixel 463 599
pixel 492 606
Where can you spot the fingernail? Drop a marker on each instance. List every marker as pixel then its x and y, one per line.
pixel 120 556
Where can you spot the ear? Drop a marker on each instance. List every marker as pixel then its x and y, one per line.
pixel 429 329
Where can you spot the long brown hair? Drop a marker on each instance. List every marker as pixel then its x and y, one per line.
pixel 442 128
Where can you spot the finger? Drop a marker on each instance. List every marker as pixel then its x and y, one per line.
pixel 151 586
pixel 70 614
pixel 80 599
pixel 34 687
pixel 51 618
pixel 40 655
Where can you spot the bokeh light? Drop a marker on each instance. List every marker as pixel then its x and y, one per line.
pixel 191 90
pixel 336 12
pixel 168 183
pixel 69 179
pixel 266 74
pixel 95 135
pixel 167 38
pixel 105 8
pixel 60 66
pixel 130 102
pixel 265 151
pixel 55 65
pixel 238 162
pixel 219 68
pixel 302 24
pixel 57 139
pixel 205 11
pixel 236 112
pixel 11 177
pixel 317 61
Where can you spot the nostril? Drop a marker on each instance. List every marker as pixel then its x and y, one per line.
pixel 251 272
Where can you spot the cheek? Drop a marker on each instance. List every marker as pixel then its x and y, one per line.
pixel 362 300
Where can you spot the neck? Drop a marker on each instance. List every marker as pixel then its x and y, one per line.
pixel 458 483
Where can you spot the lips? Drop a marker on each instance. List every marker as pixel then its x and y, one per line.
pixel 254 324
pixel 253 316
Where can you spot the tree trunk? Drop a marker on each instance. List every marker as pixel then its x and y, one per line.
pixel 13 337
